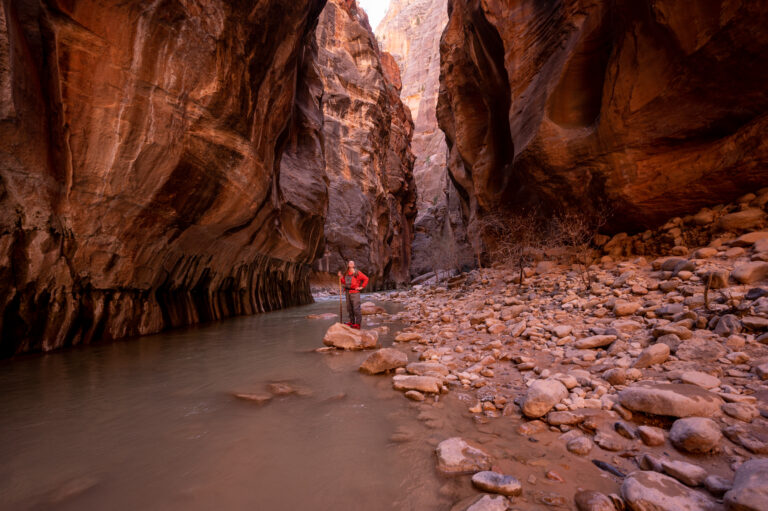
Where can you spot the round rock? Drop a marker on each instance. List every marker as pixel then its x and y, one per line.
pixel 695 434
pixel 495 482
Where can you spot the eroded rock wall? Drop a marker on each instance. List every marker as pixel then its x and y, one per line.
pixel 653 107
pixel 141 183
pixel 411 32
pixel 367 150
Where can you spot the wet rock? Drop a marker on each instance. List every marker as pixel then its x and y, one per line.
pixel 414 395
pixel 456 456
pixel 749 273
pixel 345 337
pixel 580 445
pixel 482 503
pixel 595 341
pixel 427 384
pixel 652 491
pixel 655 354
pixel 531 428
pixel 495 482
pixel 541 396
pixel 695 434
pixel 385 359
pixel 672 399
pixel 370 309
pixel 686 473
pixel 651 435
pixel 287 388
pixel 750 491
pixel 589 500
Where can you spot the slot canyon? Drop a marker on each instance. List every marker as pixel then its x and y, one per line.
pixel 560 208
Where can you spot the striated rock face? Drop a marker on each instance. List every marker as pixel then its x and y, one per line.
pixel 141 182
pixel 411 33
pixel 655 107
pixel 368 159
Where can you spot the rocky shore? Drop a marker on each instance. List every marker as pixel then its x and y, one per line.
pixel 646 390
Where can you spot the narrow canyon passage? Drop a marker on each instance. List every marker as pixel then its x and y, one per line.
pixel 554 213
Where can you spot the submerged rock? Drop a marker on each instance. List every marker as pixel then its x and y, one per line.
pixel 456 456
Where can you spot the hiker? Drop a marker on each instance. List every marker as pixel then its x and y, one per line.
pixel 353 282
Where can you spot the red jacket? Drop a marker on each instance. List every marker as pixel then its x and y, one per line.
pixel 357 282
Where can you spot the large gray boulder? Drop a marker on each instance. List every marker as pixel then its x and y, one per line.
pixel 750 487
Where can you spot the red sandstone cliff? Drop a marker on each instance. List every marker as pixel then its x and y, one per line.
pixel 411 33
pixel 655 107
pixel 141 183
pixel 369 163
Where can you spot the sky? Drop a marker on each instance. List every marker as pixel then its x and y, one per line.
pixel 376 9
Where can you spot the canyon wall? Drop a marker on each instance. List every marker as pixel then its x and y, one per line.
pixel 372 195
pixel 652 108
pixel 411 32
pixel 141 182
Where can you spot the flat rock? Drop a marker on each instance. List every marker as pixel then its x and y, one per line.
pixel 671 399
pixel 345 337
pixel 595 341
pixel 750 491
pixel 695 434
pixel 385 359
pixel 407 337
pixel 703 380
pixel 427 368
pixel 456 456
pixel 259 398
pixel 749 273
pixel 741 220
pixel 428 384
pixel 541 396
pixel 652 491
pixel 741 411
pixel 655 354
pixel 686 473
pixel 495 482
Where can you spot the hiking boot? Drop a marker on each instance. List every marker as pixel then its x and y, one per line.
pixel 356 326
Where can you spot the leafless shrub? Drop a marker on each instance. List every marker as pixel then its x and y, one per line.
pixel 444 256
pixel 512 239
pixel 577 233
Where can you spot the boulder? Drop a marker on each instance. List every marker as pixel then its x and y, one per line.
pixel 671 399
pixel 385 359
pixel 741 220
pixel 427 384
pixel 541 396
pixel 495 482
pixel 370 308
pixel 456 456
pixel 749 273
pixel 655 354
pixel 696 434
pixel 345 337
pixel 652 491
pixel 595 341
pixel 750 490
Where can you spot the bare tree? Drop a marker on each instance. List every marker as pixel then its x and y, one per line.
pixel 577 233
pixel 513 238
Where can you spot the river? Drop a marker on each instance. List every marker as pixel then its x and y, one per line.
pixel 151 423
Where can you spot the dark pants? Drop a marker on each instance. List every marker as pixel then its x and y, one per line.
pixel 353 308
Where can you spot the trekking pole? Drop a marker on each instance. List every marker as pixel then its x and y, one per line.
pixel 341 317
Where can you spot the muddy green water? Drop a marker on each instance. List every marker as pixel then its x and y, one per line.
pixel 150 423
